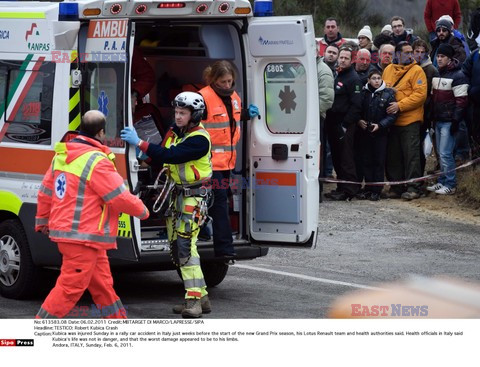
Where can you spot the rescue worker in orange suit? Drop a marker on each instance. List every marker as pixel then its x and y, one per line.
pixel 223 115
pixel 186 151
pixel 79 202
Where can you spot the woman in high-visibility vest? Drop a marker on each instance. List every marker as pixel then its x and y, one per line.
pixel 186 151
pixel 223 115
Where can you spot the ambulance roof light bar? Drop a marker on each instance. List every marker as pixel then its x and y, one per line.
pixel 263 8
pixel 68 11
pixel 161 8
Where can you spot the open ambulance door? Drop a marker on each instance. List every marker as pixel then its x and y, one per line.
pixel 105 47
pixel 284 144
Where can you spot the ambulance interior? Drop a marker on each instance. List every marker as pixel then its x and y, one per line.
pixel 179 53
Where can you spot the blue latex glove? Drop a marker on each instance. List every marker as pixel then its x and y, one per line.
pixel 253 111
pixel 130 136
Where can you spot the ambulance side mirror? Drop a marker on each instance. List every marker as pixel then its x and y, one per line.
pixel 76 76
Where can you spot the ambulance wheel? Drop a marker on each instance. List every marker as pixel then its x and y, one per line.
pixel 214 273
pixel 18 274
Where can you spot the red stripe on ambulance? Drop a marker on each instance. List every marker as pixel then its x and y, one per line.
pixel 108 28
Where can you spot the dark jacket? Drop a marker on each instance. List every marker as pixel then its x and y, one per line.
pixel 473 29
pixel 431 72
pixel 407 35
pixel 471 69
pixel 364 74
pixel 449 94
pixel 375 104
pixel 347 103
pixel 457 45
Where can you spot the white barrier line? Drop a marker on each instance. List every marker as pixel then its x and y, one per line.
pixel 306 277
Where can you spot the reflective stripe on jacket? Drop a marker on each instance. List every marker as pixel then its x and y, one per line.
pixel 194 171
pixel 218 125
pixel 82 195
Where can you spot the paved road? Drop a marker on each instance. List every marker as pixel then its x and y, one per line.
pixel 360 244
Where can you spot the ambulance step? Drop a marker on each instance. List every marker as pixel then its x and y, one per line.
pixel 155 245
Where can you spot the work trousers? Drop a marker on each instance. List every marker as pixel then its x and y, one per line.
pixel 83 268
pixel 182 229
pixel 403 156
pixel 343 156
pixel 372 151
pixel 219 212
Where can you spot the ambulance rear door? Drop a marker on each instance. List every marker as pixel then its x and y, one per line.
pixel 284 144
pixel 104 52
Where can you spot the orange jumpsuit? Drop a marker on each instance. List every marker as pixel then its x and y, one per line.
pixel 79 201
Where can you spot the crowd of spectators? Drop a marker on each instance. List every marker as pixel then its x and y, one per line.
pixel 391 93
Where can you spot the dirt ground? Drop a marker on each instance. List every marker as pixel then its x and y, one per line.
pixel 448 206
pixel 459 206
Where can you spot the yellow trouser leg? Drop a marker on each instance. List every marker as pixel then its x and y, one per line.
pixel 184 230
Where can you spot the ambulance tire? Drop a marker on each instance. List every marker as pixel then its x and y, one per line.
pixel 24 279
pixel 213 273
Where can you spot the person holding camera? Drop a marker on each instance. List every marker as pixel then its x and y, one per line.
pixel 372 132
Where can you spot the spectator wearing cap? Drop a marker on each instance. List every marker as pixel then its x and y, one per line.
pixel 400 33
pixel 365 38
pixel 461 151
pixel 421 54
pixel 444 31
pixel 449 102
pixel 332 36
pixel 403 147
pixel 384 37
pixel 434 9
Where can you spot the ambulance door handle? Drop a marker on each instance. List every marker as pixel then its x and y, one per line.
pixel 308 156
pixel 136 167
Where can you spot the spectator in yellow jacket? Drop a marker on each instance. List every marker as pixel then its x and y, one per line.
pixel 403 148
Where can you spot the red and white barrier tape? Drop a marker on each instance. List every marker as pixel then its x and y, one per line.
pixel 392 183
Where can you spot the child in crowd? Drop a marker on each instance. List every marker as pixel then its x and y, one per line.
pixel 372 134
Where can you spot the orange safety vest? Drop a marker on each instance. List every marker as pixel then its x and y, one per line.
pixel 82 195
pixel 217 123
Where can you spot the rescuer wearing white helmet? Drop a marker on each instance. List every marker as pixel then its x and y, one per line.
pixel 186 152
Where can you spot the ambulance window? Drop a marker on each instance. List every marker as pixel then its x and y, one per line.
pixel 285 98
pixel 30 95
pixel 104 92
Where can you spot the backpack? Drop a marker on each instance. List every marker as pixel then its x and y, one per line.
pixel 461 37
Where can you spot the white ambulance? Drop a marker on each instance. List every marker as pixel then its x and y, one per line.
pixel 59 60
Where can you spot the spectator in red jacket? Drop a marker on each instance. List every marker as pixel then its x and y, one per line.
pixel 332 36
pixel 434 9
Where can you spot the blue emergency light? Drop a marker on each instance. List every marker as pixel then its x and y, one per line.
pixel 263 8
pixel 68 11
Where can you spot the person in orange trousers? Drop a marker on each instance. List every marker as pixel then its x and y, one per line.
pixel 79 202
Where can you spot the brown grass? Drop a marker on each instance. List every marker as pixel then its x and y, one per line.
pixel 468 186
